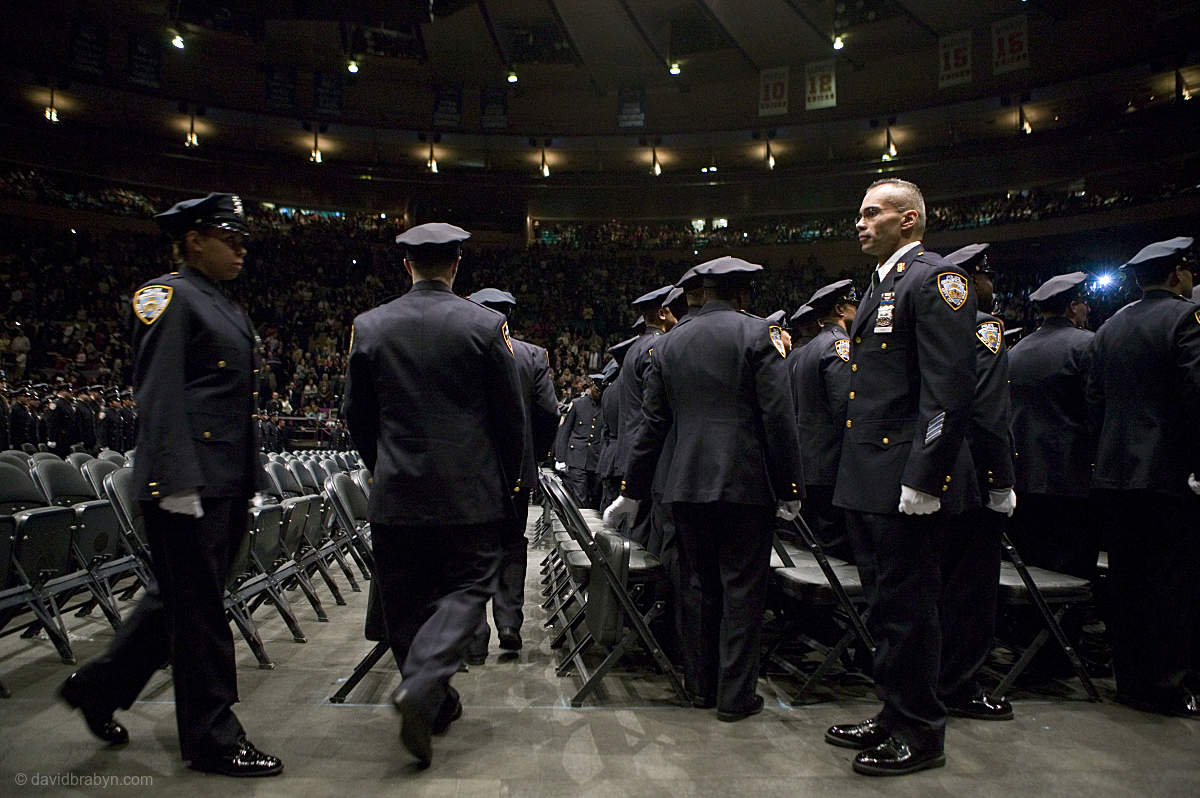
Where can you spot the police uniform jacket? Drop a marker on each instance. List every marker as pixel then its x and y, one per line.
pixel 722 380
pixel 194 381
pixel 988 435
pixel 1143 393
pixel 911 388
pixel 541 406
pixel 433 403
pixel 22 425
pixel 630 384
pixel 1054 445
pixel 610 422
pixel 61 424
pixel 820 372
pixel 580 435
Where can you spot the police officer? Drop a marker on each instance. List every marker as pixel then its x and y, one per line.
pixel 610 468
pixel 433 402
pixel 1143 393
pixel 904 468
pixel 108 433
pixel 820 374
pixel 1054 444
pixel 720 379
pixel 22 423
pixel 540 421
pixel 196 470
pixel 577 445
pixel 658 320
pixel 61 424
pixel 971 556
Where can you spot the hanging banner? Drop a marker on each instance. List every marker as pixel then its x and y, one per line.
pixel 493 109
pixel 773 92
pixel 280 90
pixel 145 60
pixel 631 106
pixel 327 93
pixel 954 51
pixel 447 107
pixel 820 85
pixel 1010 44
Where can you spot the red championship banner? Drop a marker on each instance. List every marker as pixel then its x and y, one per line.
pixel 773 92
pixel 954 52
pixel 1010 44
pixel 820 85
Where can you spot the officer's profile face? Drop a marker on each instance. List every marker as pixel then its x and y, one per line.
pixel 880 222
pixel 1077 312
pixel 218 254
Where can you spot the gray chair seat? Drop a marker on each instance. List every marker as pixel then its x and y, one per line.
pixel 1054 586
pixel 806 582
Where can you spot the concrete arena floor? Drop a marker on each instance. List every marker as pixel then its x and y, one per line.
pixel 519 736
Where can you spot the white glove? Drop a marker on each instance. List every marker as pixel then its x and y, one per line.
pixel 52 444
pixel 787 510
pixel 260 500
pixel 1193 484
pixel 1002 501
pixel 914 502
pixel 184 502
pixel 621 509
pixel 560 466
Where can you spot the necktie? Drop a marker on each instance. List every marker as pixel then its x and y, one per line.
pixel 874 284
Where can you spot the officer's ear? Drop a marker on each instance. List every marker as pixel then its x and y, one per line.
pixel 408 266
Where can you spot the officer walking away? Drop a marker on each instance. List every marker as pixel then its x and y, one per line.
pixel 196 470
pixel 434 405
pixel 611 470
pixel 720 379
pixel 1143 393
pixel 904 469
pixel 577 446
pixel 540 421
pixel 1052 527
pixel 971 556
pixel 820 372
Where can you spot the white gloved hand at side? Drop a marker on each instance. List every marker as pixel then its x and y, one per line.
pixel 915 502
pixel 787 510
pixel 1194 484
pixel 1002 501
pixel 184 502
pixel 260 499
pixel 560 466
pixel 622 508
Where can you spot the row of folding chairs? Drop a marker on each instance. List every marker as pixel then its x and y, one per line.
pixel 603 592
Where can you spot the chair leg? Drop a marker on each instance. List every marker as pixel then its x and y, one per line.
pixel 832 655
pixel 249 630
pixel 322 569
pixel 4 691
pixel 310 593
pixel 360 670
pixel 593 681
pixel 284 607
pixel 574 654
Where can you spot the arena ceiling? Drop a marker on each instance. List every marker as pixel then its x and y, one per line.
pixel 594 90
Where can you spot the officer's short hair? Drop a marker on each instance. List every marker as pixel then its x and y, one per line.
pixel 907 196
pixel 434 257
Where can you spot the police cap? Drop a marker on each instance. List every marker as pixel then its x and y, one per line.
pixel 1058 289
pixel 638 326
pixel 653 299
pixel 220 211
pixel 618 350
pixel 803 315
pixel 433 241
pixel 673 297
pixel 690 279
pixel 827 296
pixel 493 297
pixel 971 258
pixel 727 271
pixel 1155 261
pixel 778 318
pixel 610 370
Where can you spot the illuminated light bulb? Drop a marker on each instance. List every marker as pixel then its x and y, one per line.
pixel 352 67
pixel 838 42
pixel 675 70
pixel 315 155
pixel 177 42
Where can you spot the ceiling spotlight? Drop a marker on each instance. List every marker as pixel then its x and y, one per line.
pixel 656 167
pixel 890 152
pixel 352 67
pixel 675 70
pixel 1023 121
pixel 770 156
pixel 545 166
pixel 432 162
pixel 192 139
pixel 512 76
pixel 51 112
pixel 176 40
pixel 314 155
pixel 838 42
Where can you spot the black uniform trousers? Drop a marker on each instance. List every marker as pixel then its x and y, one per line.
pixel 434 582
pixel 899 559
pixel 1153 572
pixel 182 621
pixel 577 481
pixel 827 522
pixel 970 583
pixel 508 601
pixel 725 553
pixel 1056 533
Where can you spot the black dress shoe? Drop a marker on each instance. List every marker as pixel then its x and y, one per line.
pixel 704 701
pixel 451 711
pixel 245 760
pixel 1181 704
pixel 475 659
pixel 893 757
pixel 99 721
pixel 414 729
pixel 981 708
pixel 510 638
pixel 859 736
pixel 730 717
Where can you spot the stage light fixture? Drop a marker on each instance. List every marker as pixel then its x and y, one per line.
pixel 352 67
pixel 675 70
pixel 545 166
pixel 838 42
pixel 192 139
pixel 770 157
pixel 176 39
pixel 890 152
pixel 512 76
pixel 314 155
pixel 1023 121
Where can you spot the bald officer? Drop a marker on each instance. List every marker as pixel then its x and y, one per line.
pixel 196 468
pixel 434 405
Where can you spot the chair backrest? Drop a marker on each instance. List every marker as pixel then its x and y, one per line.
pixel 362 478
pixel 122 494
pixel 304 476
pixel 319 472
pixel 12 459
pixel 267 534
pixel 44 456
pixel 8 538
pixel 61 483
pixel 94 471
pixel 77 459
pixel 111 456
pixel 17 453
pixel 331 466
pixel 43 544
pixel 605 616
pixel 349 502
pixel 283 481
pixel 17 490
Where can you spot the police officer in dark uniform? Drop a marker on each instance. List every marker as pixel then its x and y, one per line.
pixel 61 429
pixel 5 441
pixel 1054 443
pixel 577 445
pixel 611 470
pixel 720 379
pixel 196 470
pixel 433 402
pixel 540 422
pixel 971 556
pixel 129 419
pixel 820 373
pixel 1143 393
pixel 22 423
pixel 630 381
pixel 108 433
pixel 904 469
